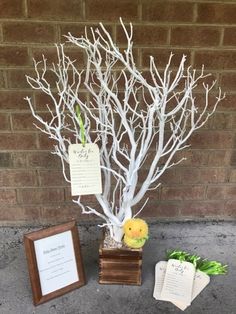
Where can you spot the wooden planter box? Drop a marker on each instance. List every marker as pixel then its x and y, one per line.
pixel 120 266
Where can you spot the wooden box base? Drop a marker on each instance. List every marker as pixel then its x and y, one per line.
pixel 120 266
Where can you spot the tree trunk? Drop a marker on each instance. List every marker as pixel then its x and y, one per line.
pixel 118 233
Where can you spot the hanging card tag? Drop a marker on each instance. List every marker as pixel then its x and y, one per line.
pixel 85 171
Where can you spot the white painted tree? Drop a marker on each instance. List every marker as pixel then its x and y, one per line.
pixel 132 118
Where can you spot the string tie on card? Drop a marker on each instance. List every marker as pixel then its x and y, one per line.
pixel 81 126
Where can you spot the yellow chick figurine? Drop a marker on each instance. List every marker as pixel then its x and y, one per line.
pixel 136 233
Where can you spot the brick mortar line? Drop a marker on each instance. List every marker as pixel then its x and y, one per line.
pixel 114 32
pixel 20 67
pixel 205 1
pixel 220 184
pixel 96 22
pixel 216 47
pixel 143 68
pixel 222 38
pixel 30 168
pixel 209 70
pixel 192 48
pixel 166 202
pixel 192 56
pixel 32 131
pixel 45 169
pixel 93 221
pixel 226 112
pixel 25 8
pixel 62 187
pixel 38 178
pixel 5 78
pixel 195 12
pixel 61 203
pixel 139 59
pixel 83 4
pixel 1 34
pixel 60 38
pixel 17 197
pixel 33 97
pixel 197 92
pixel 11 123
pixel 35 45
pixel 201 167
pixel 169 31
pixel 58 34
pixel 40 111
pixel 161 199
pixel 54 21
pixel 140 11
pixel 69 203
pixel 36 150
pixel 37 141
pixel 18 111
pixel 65 195
pixel 202 1
pixel 38 187
pixel 49 150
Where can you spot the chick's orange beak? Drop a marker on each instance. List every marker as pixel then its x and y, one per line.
pixel 135 233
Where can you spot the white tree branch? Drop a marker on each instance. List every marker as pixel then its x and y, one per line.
pixel 137 122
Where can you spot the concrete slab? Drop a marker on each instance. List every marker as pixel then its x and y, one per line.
pixel 215 240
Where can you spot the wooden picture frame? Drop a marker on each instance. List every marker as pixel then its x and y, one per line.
pixel 38 253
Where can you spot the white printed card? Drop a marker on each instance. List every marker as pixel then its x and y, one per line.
pixel 178 283
pixel 201 280
pixel 56 262
pixel 160 272
pixel 85 170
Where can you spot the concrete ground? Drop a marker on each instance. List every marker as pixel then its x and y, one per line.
pixel 215 240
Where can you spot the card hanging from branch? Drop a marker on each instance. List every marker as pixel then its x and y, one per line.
pixel 85 170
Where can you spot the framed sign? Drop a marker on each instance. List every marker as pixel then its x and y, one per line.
pixel 54 261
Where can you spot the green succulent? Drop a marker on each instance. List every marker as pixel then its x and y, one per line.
pixel 204 265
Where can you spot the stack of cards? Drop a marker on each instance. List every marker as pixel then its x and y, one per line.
pixel 178 282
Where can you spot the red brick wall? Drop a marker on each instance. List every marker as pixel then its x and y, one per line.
pixel 32 189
